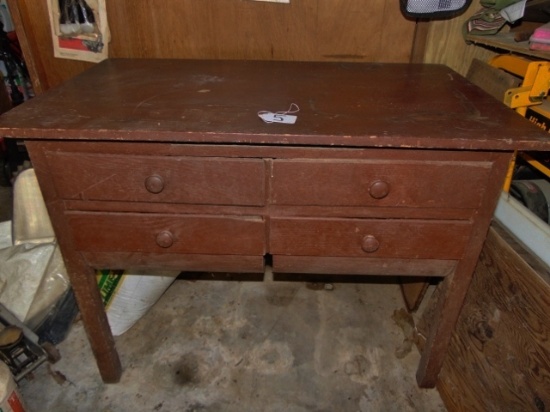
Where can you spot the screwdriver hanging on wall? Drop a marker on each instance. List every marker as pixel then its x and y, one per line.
pixel 86 17
pixel 68 18
pixel 75 17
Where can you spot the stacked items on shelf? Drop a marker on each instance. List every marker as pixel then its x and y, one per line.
pixel 540 40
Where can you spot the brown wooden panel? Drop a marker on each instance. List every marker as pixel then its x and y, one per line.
pixel 288 211
pixel 180 179
pixel 455 286
pixel 82 276
pixel 404 239
pixel 363 30
pixel 215 29
pixel 228 150
pixel 495 82
pixel 182 234
pixel 185 263
pixel 368 30
pixel 362 266
pixel 354 183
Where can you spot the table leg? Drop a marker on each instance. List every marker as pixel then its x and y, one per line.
pixel 451 297
pixel 84 284
pixel 82 276
pixel 454 287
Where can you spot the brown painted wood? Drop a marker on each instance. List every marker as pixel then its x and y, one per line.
pixel 184 234
pixel 339 183
pixel 405 239
pixel 145 120
pixel 342 104
pixel 362 266
pixel 211 180
pixel 82 276
pixel 455 286
pixel 499 355
pixel 495 82
pixel 183 262
pixel 229 150
pixel 270 210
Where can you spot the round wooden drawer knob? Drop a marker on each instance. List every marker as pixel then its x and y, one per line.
pixel 379 189
pixel 154 184
pixel 370 244
pixel 165 239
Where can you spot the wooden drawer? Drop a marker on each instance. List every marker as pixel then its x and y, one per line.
pixel 375 238
pixel 385 183
pixel 165 179
pixel 157 233
pixel 319 265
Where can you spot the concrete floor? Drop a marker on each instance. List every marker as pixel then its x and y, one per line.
pixel 233 345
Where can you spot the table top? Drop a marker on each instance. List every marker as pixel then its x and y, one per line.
pixel 213 101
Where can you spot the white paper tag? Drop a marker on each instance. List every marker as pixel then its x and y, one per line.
pixel 269 117
pixel 280 117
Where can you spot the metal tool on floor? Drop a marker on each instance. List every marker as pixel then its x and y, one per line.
pixel 19 347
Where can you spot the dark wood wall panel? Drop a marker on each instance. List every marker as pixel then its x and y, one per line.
pixel 347 30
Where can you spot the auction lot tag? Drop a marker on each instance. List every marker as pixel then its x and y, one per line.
pixel 280 117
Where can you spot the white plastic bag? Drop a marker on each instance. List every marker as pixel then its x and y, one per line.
pixel 22 270
pixel 32 273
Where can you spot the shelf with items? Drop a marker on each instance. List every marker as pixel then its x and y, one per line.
pixel 507 41
pixel 524 207
pixel 513 38
pixel 529 100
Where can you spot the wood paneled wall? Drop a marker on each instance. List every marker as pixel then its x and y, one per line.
pixel 445 43
pixel 341 30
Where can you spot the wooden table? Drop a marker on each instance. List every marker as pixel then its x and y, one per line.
pixel 390 169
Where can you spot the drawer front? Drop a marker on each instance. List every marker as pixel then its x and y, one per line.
pixel 320 265
pixel 156 233
pixel 375 238
pixel 166 179
pixel 384 183
pixel 176 261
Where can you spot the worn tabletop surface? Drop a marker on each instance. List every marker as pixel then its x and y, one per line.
pixel 341 104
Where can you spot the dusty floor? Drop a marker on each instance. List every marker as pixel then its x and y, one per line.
pixel 229 345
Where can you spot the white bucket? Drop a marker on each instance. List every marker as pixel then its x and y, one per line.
pixel 128 295
pixel 10 398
